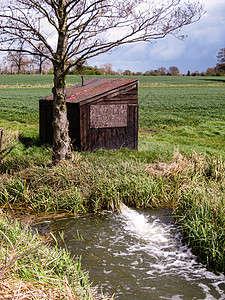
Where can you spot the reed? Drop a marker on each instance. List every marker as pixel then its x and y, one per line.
pixel 199 200
pixel 87 184
pixel 32 269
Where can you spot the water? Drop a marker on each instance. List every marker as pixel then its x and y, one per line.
pixel 139 255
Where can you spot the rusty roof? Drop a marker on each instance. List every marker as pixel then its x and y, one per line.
pixel 93 88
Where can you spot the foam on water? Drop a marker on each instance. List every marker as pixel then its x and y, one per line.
pixel 139 255
pixel 139 225
pixel 162 242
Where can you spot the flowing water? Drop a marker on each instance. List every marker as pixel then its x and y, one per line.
pixel 139 255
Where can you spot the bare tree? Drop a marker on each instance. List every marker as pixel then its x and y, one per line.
pixel 107 69
pixel 17 57
pixel 4 66
pixel 40 59
pixel 221 56
pixel 28 66
pixel 162 71
pixel 174 71
pixel 220 67
pixel 76 30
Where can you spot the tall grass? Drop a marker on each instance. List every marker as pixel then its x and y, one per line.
pixel 88 184
pixel 32 269
pixel 198 196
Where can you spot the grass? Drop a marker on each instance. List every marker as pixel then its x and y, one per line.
pixel 188 117
pixel 90 183
pixel 180 161
pixel 47 80
pixel 37 81
pixel 32 269
pixel 179 106
pixel 200 210
pixel 21 105
pixel 193 119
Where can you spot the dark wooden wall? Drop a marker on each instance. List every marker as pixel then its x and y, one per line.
pixel 45 121
pixel 73 113
pixel 113 137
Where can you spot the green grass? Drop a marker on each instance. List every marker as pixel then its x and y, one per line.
pixel 47 80
pixel 91 183
pixel 21 104
pixel 188 117
pixel 179 106
pixel 44 269
pixel 200 210
pixel 34 80
pixel 193 186
pixel 181 80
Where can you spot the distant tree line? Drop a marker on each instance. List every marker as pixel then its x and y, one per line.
pixel 219 69
pixel 17 62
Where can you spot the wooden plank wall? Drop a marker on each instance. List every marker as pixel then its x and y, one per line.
pixel 114 137
pixel 73 114
pixel 45 121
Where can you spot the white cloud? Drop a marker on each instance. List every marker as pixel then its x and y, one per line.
pixel 170 49
pixel 197 52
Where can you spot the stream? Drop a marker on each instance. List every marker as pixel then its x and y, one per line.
pixel 138 255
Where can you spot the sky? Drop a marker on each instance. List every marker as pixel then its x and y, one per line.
pixel 196 52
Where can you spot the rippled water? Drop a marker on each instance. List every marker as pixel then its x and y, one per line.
pixel 139 255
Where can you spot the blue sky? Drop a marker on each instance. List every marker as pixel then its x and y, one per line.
pixel 196 52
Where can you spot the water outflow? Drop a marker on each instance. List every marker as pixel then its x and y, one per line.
pixel 140 255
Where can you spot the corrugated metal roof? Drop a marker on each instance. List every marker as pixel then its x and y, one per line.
pixel 94 87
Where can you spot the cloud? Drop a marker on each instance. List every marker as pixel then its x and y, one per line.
pixel 196 52
pixel 170 49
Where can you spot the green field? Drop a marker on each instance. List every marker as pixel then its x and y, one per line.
pixel 188 117
pixel 183 112
pixel 43 80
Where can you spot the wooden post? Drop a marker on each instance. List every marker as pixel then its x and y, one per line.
pixel 1 138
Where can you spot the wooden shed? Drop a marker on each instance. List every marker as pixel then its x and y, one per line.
pixel 103 113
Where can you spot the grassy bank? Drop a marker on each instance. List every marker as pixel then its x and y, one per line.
pixel 32 269
pixel 191 179
pixel 193 185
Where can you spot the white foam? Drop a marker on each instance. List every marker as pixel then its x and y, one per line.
pixel 139 225
pixel 164 245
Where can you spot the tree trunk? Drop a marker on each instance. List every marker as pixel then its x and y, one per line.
pixel 40 66
pixel 61 139
pixel 41 61
pixel 19 68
